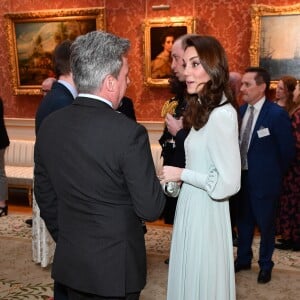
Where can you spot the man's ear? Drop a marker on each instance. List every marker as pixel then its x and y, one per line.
pixel 110 83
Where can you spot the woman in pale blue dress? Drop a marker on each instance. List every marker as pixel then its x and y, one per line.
pixel 201 261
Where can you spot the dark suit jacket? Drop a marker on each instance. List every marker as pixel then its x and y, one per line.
pixel 270 156
pixel 94 180
pixel 58 97
pixel 174 156
pixel 126 107
pixel 4 140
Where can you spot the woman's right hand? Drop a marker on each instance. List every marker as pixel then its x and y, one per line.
pixel 169 173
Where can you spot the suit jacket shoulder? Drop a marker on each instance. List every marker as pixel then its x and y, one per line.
pixel 58 97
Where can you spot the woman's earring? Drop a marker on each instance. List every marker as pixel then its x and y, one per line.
pixel 199 100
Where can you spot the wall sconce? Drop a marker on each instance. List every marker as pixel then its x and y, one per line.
pixel 161 7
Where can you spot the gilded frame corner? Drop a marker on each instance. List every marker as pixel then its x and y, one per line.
pixel 25 69
pixel 265 21
pixel 179 25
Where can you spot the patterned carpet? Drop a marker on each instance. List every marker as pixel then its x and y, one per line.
pixel 20 278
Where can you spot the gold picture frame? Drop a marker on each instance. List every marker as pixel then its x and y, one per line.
pixel 275 40
pixel 154 30
pixel 32 37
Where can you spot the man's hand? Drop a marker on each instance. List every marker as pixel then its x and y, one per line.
pixel 173 124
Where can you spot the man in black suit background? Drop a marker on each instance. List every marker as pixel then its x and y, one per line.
pixel 95 178
pixel 63 90
pixel 126 107
pixel 172 139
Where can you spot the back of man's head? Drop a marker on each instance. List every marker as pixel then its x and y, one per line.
pixel 61 58
pixel 94 56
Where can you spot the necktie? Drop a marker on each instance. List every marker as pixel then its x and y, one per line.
pixel 246 138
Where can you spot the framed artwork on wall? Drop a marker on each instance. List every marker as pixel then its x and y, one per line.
pixel 159 35
pixel 275 40
pixel 32 37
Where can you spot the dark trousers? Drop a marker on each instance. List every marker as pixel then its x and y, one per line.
pixel 60 291
pixel 169 210
pixel 255 210
pixel 77 295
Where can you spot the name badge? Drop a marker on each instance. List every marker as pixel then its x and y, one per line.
pixel 263 132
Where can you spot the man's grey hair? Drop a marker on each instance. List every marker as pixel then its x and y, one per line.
pixel 94 56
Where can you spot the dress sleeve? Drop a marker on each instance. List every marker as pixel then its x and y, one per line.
pixel 223 177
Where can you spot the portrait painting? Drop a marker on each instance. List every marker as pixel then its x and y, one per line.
pixel 159 36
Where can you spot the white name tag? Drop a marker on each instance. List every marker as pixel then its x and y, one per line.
pixel 263 132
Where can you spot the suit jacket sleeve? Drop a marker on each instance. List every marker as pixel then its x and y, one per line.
pixel 285 139
pixel 45 195
pixel 180 138
pixel 139 172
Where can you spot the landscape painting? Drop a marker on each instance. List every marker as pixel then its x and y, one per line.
pixel 275 40
pixel 280 53
pixel 33 36
pixel 35 43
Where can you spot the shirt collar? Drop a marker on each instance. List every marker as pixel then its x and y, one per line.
pixel 258 105
pixel 69 86
pixel 95 97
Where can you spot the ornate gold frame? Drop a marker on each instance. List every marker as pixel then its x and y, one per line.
pixel 258 12
pixel 65 15
pixel 161 23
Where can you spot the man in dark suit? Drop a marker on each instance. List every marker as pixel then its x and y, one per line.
pixel 95 178
pixel 174 135
pixel 63 91
pixel 268 153
pixel 126 107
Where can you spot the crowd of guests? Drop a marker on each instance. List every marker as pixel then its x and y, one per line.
pixel 237 169
pixel 288 214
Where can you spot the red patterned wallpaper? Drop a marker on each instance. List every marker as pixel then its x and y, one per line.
pixel 228 20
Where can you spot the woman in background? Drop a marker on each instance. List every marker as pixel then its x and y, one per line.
pixel 288 220
pixel 285 92
pixel 4 142
pixel 201 261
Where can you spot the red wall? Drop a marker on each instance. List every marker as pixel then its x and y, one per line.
pixel 228 20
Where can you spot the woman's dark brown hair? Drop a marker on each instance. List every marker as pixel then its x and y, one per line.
pixel 289 83
pixel 213 58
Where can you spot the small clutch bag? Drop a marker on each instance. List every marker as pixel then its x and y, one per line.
pixel 171 189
